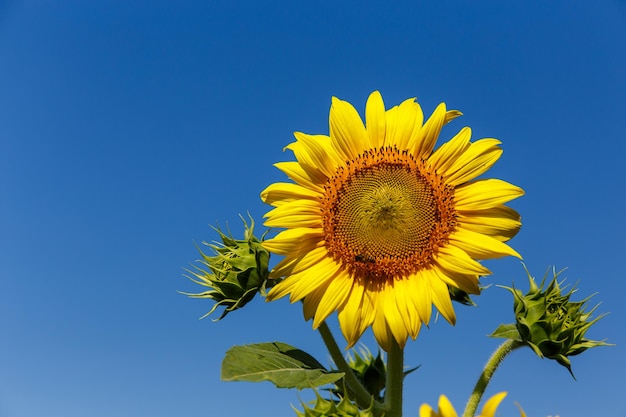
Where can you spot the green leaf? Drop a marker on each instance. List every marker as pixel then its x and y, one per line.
pixel 280 363
pixel 507 331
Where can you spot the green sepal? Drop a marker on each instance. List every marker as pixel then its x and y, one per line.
pixel 460 296
pixel 283 365
pixel 507 331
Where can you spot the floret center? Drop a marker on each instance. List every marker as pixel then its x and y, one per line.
pixel 385 214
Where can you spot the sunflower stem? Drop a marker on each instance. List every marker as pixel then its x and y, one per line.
pixel 363 398
pixel 395 380
pixel 485 377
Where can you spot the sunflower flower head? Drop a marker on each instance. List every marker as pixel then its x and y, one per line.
pixel 237 271
pixel 547 321
pixel 379 224
pixel 447 410
pixel 329 408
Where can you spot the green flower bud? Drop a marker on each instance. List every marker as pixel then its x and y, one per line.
pixel 370 370
pixel 235 274
pixel 328 408
pixel 547 321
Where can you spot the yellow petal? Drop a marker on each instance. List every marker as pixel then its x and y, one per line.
pixel 405 294
pixel 375 119
pixel 294 264
pixel 311 301
pixel 404 124
pixel 465 282
pixel 315 151
pixel 443 158
pixel 485 194
pixel 451 115
pixel 300 175
pixel 282 192
pixel 457 260
pixel 441 297
pixel 420 295
pixel 427 411
pixel 393 317
pixel 311 278
pixel 477 159
pixel 334 297
pixel 281 289
pixel 445 407
pixel 489 409
pixel 430 132
pixel 480 246
pixel 380 328
pixel 300 213
pixel 501 222
pixel 301 284
pixel 295 241
pixel 357 314
pixel 347 133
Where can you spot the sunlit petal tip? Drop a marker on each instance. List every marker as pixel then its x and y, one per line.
pixel 382 332
pixel 485 194
pixel 421 295
pixel 404 125
pixel 375 97
pixel 445 407
pixel 427 411
pixel 375 121
pixel 441 299
pixel 478 157
pixel 451 115
pixel 430 132
pixel 300 175
pixel 450 152
pixel 357 314
pixel 457 260
pixel 283 192
pixel 348 135
pixel 480 246
pixel 289 146
pixel 489 409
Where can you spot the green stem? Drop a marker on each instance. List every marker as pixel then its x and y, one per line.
pixel 395 380
pixel 361 396
pixel 490 368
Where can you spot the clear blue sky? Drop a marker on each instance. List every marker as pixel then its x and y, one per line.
pixel 128 127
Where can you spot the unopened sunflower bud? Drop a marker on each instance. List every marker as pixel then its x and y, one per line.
pixel 370 370
pixel 235 274
pixel 329 408
pixel 547 321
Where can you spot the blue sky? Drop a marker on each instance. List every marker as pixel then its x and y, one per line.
pixel 128 127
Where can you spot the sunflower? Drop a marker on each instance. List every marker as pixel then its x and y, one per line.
pixel 378 225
